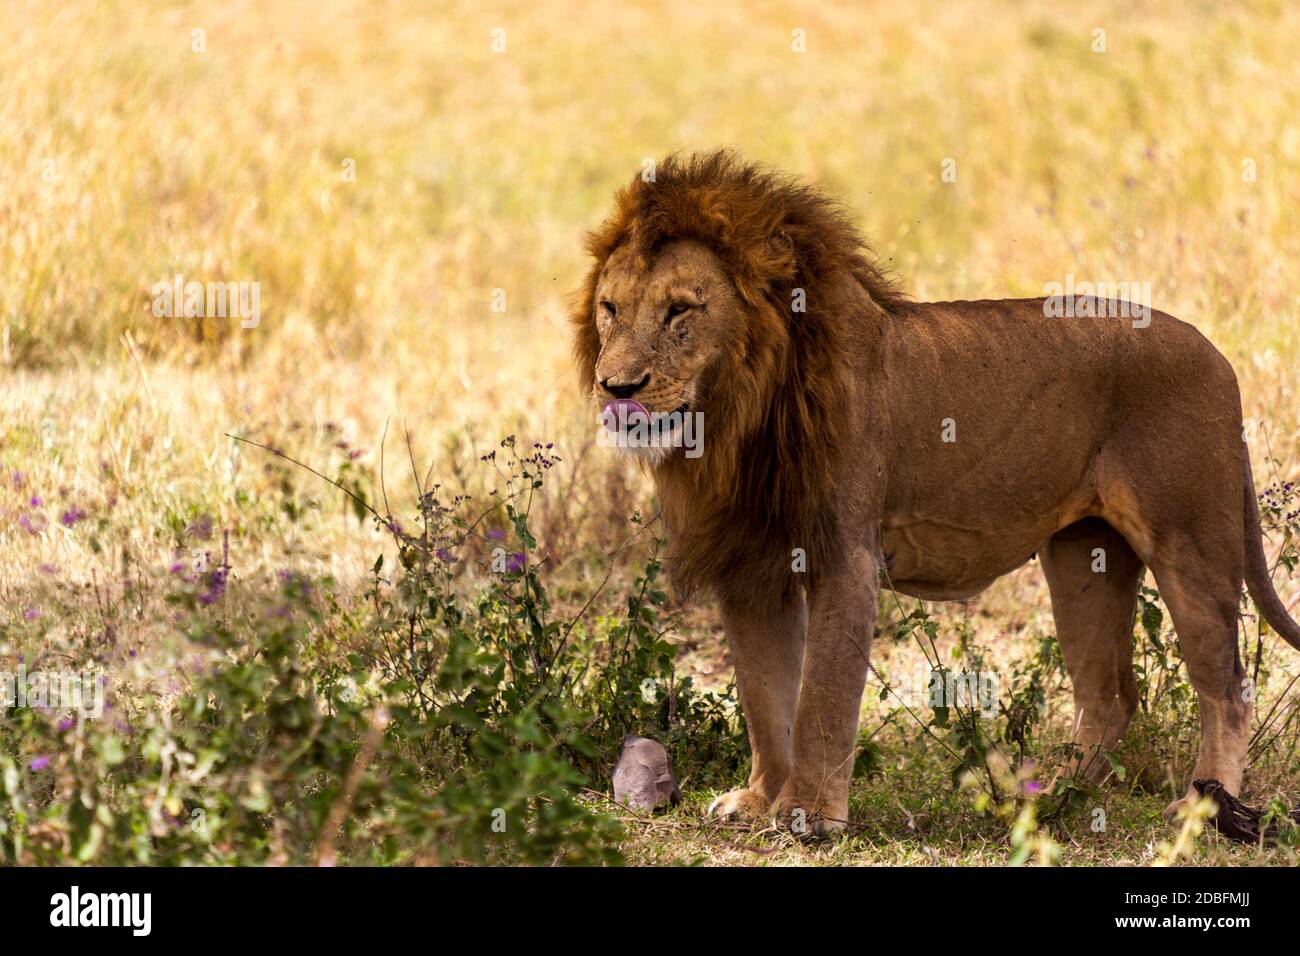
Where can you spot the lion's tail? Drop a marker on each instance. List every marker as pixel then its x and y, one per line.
pixel 1258 580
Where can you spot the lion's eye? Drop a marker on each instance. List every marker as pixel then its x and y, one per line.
pixel 678 308
pixel 608 308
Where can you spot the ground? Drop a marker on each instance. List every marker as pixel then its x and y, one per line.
pixel 409 186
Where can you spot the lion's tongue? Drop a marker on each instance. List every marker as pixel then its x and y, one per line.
pixel 618 414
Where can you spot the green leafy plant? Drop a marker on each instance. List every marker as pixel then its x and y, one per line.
pixel 451 714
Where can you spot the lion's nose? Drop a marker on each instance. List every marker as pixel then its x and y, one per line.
pixel 624 389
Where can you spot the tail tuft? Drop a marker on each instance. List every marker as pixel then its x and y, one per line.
pixel 1258 581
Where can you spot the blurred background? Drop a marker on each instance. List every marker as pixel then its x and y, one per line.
pixel 381 168
pixel 409 183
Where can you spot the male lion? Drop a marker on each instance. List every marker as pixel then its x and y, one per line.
pixel 937 445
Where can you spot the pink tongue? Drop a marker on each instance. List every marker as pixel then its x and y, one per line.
pixel 618 414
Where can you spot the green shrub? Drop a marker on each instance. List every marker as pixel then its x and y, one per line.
pixel 448 715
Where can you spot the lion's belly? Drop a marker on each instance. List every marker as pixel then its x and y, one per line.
pixel 941 560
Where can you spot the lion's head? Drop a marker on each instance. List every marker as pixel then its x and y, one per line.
pixel 720 288
pixel 666 328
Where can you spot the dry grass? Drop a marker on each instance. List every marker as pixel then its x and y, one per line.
pixel 127 157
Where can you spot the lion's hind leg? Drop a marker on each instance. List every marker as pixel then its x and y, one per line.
pixel 1202 588
pixel 1093 576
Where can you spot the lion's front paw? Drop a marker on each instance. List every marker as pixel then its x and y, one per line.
pixel 744 804
pixel 808 818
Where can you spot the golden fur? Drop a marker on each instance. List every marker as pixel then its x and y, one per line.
pixel 939 445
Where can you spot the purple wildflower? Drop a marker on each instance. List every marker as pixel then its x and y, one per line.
pixel 216 587
pixel 67 723
pixel 72 516
pixel 32 613
pixel 294 582
pixel 516 562
pixel 39 763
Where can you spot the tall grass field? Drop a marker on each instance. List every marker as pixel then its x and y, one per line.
pixel 342 573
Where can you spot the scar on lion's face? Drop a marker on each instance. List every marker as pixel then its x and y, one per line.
pixel 662 324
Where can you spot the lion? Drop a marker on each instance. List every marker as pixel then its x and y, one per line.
pixel 857 439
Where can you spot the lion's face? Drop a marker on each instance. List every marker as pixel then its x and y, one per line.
pixel 663 327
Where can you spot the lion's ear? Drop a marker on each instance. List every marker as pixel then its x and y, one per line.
pixel 778 257
pixel 780 244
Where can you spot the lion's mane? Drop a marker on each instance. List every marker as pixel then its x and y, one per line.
pixel 766 481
